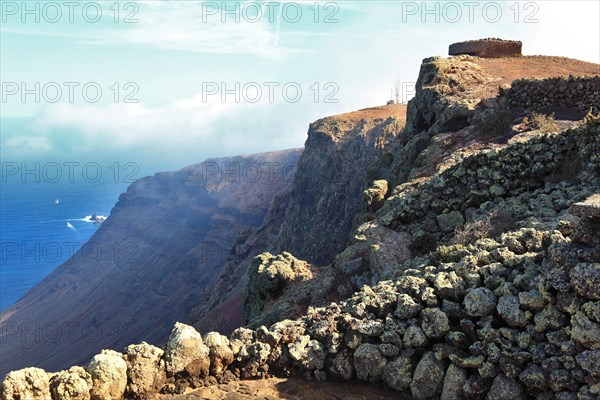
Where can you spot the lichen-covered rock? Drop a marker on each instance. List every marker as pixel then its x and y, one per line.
pixel 145 370
pixel 185 351
pixel 449 285
pixel 467 362
pixel 508 308
pixel 534 378
pixel 374 196
pixel 585 332
pixel 454 382
pixel 531 300
pixel 397 374
pixel 477 387
pixel 589 361
pixel 109 375
pixel 414 337
pixel 585 278
pixel 370 327
pixel 592 310
pixel 505 388
pixel 568 302
pixel 268 276
pixel 389 350
pixel 27 383
pixel 480 302
pixel 73 384
pixel 369 362
pixel 407 307
pixel 220 352
pixel 451 221
pixel 428 379
pixel 550 318
pixel 385 247
pixel 434 322
pixel 239 338
pixel 298 348
pixel 560 380
pixel 309 353
pixel 341 365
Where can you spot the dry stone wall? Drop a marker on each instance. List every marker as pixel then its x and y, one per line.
pixel 576 93
pixel 439 204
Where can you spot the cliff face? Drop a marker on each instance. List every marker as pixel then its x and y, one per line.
pixel 314 218
pixel 331 175
pixel 148 263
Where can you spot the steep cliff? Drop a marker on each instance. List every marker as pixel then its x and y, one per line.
pixel 331 175
pixel 314 217
pixel 147 265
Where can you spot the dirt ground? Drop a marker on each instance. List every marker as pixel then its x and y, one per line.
pixel 289 389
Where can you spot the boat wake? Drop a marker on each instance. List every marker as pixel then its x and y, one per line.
pixel 87 218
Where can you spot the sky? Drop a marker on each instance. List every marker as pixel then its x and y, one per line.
pixel 166 84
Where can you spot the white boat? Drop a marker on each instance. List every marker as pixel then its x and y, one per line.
pixel 56 201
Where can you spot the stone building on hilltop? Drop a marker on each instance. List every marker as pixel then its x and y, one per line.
pixel 487 48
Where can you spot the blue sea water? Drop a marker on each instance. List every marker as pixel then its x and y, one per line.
pixel 37 234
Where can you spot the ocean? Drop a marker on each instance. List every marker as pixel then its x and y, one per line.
pixel 38 233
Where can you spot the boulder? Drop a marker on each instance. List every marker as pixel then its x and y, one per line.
pixel 73 384
pixel 397 374
pixel 109 375
pixel 449 285
pixel 450 221
pixel 454 382
pixel 434 323
pixel 589 361
pixel 428 379
pixel 550 318
pixel 585 332
pixel 407 307
pixel 508 308
pixel 534 378
pixel 531 300
pixel 268 277
pixel 145 370
pixel 310 354
pixel 186 351
pixel 220 352
pixel 341 366
pixel 374 196
pixel 585 278
pixel 480 302
pixel 27 383
pixel 369 362
pixel 414 337
pixel 505 388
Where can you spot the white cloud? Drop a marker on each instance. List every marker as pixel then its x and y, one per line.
pixel 183 26
pixel 27 145
pixel 189 130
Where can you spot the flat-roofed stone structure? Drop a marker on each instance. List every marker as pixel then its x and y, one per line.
pixel 487 48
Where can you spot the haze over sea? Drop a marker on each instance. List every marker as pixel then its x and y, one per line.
pixel 35 237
